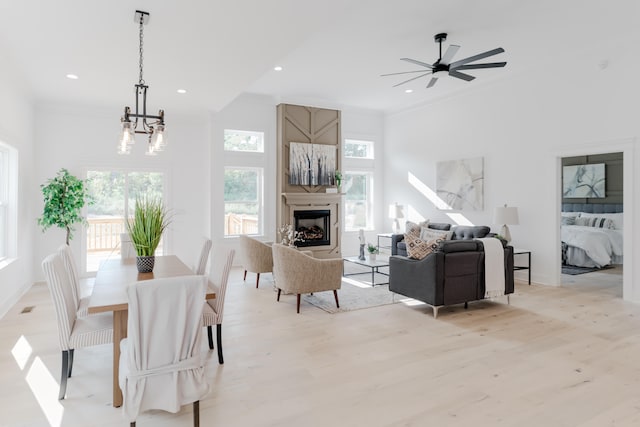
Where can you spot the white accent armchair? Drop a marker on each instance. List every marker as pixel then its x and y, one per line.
pixel 298 273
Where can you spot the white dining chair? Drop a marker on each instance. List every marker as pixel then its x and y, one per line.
pixel 160 361
pixel 79 286
pixel 127 250
pixel 201 266
pixel 213 309
pixel 73 332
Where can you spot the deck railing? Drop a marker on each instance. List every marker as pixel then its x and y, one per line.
pixel 103 234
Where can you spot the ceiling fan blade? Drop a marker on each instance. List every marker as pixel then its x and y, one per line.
pixel 476 57
pixel 413 78
pixel 463 76
pixel 413 61
pixel 432 82
pixel 478 66
pixel 449 54
pixel 403 72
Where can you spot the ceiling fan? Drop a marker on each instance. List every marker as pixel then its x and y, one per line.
pixel 443 66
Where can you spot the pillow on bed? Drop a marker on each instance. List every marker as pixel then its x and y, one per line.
pixel 595 222
pixel 570 214
pixel 568 220
pixel 617 218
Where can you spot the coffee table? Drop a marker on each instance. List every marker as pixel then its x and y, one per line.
pixel 373 265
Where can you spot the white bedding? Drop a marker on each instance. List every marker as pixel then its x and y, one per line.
pixel 603 246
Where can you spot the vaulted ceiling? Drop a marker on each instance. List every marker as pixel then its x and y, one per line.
pixel 332 51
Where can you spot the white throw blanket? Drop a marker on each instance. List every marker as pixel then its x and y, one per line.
pixel 493 267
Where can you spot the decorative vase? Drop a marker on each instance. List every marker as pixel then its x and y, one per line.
pixel 372 257
pixel 145 263
pixel 361 256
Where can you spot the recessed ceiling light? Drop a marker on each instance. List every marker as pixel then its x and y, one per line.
pixel 277 68
pixel 72 76
pixel 408 91
pixel 182 91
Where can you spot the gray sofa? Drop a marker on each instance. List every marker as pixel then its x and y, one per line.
pixel 454 274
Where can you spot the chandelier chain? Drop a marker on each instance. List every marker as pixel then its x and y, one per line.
pixel 141 47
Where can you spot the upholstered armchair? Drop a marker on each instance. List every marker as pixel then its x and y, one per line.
pixel 256 257
pixel 296 272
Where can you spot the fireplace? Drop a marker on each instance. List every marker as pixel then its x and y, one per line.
pixel 313 226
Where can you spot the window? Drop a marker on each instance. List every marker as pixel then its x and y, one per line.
pixel 114 194
pixel 245 163
pixel 358 149
pixel 242 140
pixel 4 201
pixel 358 185
pixel 357 208
pixel 242 201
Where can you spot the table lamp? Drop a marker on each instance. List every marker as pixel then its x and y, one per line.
pixel 395 213
pixel 505 215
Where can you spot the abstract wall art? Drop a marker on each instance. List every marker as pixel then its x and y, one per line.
pixel 584 181
pixel 460 183
pixel 312 164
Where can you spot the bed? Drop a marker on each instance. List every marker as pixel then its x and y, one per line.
pixel 591 235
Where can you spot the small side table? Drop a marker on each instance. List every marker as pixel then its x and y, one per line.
pixel 385 236
pixel 523 267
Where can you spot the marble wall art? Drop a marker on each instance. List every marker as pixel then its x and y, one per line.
pixel 460 183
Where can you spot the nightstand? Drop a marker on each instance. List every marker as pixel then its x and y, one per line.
pixel 523 267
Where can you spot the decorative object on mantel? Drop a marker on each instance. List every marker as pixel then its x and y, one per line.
pixel 150 219
pixel 154 129
pixel 338 177
pixel 289 236
pixel 64 197
pixel 505 215
pixel 373 251
pixel 362 243
pixel 395 213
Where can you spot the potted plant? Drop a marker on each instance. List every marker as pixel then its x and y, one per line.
pixel 150 219
pixel 338 177
pixel 64 197
pixel 373 251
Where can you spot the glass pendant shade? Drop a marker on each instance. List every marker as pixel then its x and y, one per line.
pixel 158 138
pixel 127 138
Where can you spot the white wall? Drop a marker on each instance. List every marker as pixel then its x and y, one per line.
pixel 79 138
pixel 16 125
pixel 521 126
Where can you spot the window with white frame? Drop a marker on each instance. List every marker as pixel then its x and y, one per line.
pixel 243 182
pixel 242 201
pixel 358 184
pixel 4 201
pixel 114 195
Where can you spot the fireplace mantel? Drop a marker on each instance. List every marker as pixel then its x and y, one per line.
pixel 312 199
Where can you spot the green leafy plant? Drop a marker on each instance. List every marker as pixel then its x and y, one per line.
pixel 150 219
pixel 372 248
pixel 64 197
pixel 338 177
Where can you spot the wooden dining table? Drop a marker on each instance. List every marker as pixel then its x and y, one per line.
pixel 110 295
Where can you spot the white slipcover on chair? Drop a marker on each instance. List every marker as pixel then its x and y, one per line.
pixel 127 250
pixel 201 266
pixel 73 332
pixel 213 309
pixel 78 284
pixel 298 273
pixel 160 362
pixel 256 257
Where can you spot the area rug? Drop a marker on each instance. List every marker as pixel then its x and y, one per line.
pixel 353 297
pixel 573 270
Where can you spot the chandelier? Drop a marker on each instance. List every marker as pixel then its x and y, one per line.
pixel 150 125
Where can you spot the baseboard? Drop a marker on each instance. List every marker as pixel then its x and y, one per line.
pixel 13 299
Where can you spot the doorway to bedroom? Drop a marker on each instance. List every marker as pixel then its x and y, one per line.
pixel 592 223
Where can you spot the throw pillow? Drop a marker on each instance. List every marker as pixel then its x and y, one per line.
pixel 569 220
pixel 595 222
pixel 419 249
pixel 427 234
pixel 413 229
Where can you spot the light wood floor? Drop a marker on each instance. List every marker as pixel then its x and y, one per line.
pixel 554 357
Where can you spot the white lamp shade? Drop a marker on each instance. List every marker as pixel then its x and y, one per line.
pixel 395 211
pixel 505 215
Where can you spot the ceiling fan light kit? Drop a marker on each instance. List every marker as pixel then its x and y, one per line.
pixel 443 66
